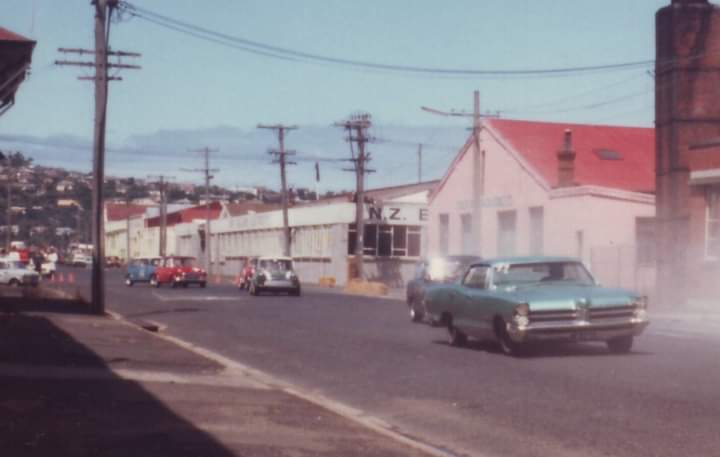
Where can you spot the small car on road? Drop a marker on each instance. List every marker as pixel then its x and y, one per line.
pixel 141 269
pixel 431 271
pixel 522 300
pixel 15 273
pixel 179 271
pixel 275 274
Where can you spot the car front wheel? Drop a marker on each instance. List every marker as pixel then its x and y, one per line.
pixel 621 345
pixel 415 314
pixel 154 281
pixel 507 345
pixel 128 282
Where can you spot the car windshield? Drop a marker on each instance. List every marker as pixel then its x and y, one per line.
pixel 276 264
pixel 181 262
pixel 505 275
pixel 15 265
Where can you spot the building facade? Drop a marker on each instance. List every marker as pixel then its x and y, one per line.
pixel 687 119
pixel 552 189
pixel 323 236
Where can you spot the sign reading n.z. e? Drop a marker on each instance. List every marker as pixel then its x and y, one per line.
pixel 397 215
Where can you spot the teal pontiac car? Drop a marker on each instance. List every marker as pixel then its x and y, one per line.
pixel 521 300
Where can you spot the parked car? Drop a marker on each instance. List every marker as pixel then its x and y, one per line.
pixel 247 272
pixel 275 274
pixel 113 262
pixel 431 271
pixel 15 273
pixel 179 271
pixel 141 270
pixel 81 260
pixel 518 301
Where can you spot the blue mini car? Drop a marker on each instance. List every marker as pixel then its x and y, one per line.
pixel 141 270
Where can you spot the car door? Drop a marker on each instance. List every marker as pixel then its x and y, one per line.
pixel 4 273
pixel 472 300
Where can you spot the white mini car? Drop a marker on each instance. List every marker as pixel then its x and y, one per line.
pixel 15 273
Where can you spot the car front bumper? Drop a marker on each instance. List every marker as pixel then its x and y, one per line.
pixel 578 330
pixel 279 284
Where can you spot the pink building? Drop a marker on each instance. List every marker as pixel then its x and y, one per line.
pixel 552 189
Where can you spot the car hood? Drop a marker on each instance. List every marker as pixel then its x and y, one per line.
pixel 543 297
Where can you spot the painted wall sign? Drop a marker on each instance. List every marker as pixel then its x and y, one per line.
pixel 497 201
pixel 398 215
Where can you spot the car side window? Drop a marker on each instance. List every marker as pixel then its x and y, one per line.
pixel 476 277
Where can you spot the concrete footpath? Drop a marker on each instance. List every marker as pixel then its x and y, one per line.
pixel 73 384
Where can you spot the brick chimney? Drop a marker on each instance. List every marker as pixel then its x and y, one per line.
pixel 566 162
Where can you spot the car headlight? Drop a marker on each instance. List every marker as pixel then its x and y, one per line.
pixel 521 315
pixel 640 304
pixel 290 275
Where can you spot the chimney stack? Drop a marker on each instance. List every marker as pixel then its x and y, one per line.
pixel 566 162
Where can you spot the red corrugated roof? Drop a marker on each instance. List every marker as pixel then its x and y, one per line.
pixel 7 35
pixel 539 142
pixel 116 211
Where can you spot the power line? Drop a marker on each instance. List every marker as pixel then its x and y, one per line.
pixel 277 52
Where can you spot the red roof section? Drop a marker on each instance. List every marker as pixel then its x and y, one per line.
pixel 539 142
pixel 187 215
pixel 239 209
pixel 7 35
pixel 117 212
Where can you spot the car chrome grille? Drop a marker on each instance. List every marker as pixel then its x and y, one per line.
pixel 553 315
pixel 613 312
pixel 593 314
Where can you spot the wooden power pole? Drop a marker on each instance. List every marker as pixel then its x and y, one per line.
pixel 281 158
pixel 478 182
pixel 206 170
pixel 357 127
pixel 162 182
pixel 103 12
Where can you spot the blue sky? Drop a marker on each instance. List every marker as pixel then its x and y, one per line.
pixel 188 85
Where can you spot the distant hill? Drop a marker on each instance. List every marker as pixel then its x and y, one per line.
pixel 242 154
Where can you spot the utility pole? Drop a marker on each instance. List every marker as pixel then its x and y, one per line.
pixel 419 153
pixel 478 186
pixel 358 125
pixel 206 170
pixel 103 12
pixel 162 184
pixel 281 158
pixel 9 177
pixel 128 200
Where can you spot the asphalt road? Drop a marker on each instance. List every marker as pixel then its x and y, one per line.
pixel 663 399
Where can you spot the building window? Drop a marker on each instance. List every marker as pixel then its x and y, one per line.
pixel 370 239
pixel 466 234
pixel 387 240
pixel 537 230
pixel 506 233
pixel 444 234
pixel 645 240
pixel 712 226
pixel 399 241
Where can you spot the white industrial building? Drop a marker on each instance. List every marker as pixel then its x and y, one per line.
pixel 323 236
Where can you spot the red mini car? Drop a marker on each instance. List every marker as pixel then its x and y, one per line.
pixel 179 271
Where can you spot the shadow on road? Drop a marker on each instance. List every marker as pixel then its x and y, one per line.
pixel 59 398
pixel 548 349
